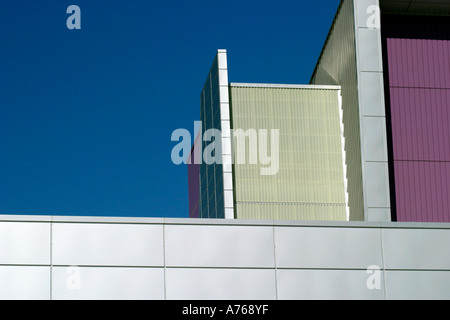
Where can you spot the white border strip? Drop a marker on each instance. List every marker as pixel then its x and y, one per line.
pixel 221 222
pixel 284 86
pixel 344 161
pixel 227 144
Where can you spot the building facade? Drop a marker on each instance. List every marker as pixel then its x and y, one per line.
pixel 280 151
pixel 391 62
pixel 380 98
pixel 417 93
pixel 89 258
pixel 300 128
pixel 381 53
pixel 216 193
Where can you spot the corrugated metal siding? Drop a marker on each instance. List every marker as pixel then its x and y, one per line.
pixel 309 184
pixel 418 60
pixel 337 66
pixel 419 63
pixel 420 124
pixel 423 191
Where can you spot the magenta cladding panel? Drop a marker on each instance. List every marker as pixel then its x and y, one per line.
pixel 418 69
pixel 420 119
pixel 194 190
pixel 194 183
pixel 422 191
pixel 419 63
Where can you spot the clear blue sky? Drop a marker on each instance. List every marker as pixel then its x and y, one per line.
pixel 86 116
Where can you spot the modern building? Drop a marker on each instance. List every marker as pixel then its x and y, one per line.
pixel 305 177
pixel 380 95
pixel 390 61
pixel 194 182
pixel 281 151
pixel 394 74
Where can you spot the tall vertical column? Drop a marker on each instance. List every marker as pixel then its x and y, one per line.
pixel 226 134
pixel 372 116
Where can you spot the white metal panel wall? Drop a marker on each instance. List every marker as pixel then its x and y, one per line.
pixel 219 246
pixel 332 248
pixel 108 283
pixel 418 285
pixel 220 284
pixel 416 249
pixel 226 134
pixel 326 284
pixel 374 155
pixel 93 244
pixel 24 282
pixel 24 243
pixel 120 258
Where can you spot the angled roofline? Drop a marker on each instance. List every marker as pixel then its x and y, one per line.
pixel 326 41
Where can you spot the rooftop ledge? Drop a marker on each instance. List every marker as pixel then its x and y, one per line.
pixel 221 222
pixel 283 86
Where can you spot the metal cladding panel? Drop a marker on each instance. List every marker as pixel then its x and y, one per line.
pixel 186 246
pixel 327 248
pixel 309 183
pixel 337 66
pixel 417 57
pixel 24 242
pixel 303 284
pixel 220 284
pixel 419 63
pixel 25 282
pixel 422 190
pixel 100 283
pixel 194 182
pixel 420 124
pixel 409 249
pixel 96 244
pixel 417 285
pixel 418 51
pixel 194 190
pixel 109 258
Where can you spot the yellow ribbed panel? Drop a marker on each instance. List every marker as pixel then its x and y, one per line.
pixel 309 184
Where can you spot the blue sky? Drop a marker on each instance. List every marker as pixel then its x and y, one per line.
pixel 86 116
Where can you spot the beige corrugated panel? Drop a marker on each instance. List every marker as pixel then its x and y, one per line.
pixel 309 184
pixel 337 66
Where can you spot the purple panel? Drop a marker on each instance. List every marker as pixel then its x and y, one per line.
pixel 194 183
pixel 418 72
pixel 194 190
pixel 424 192
pixel 418 51
pixel 420 124
pixel 419 63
